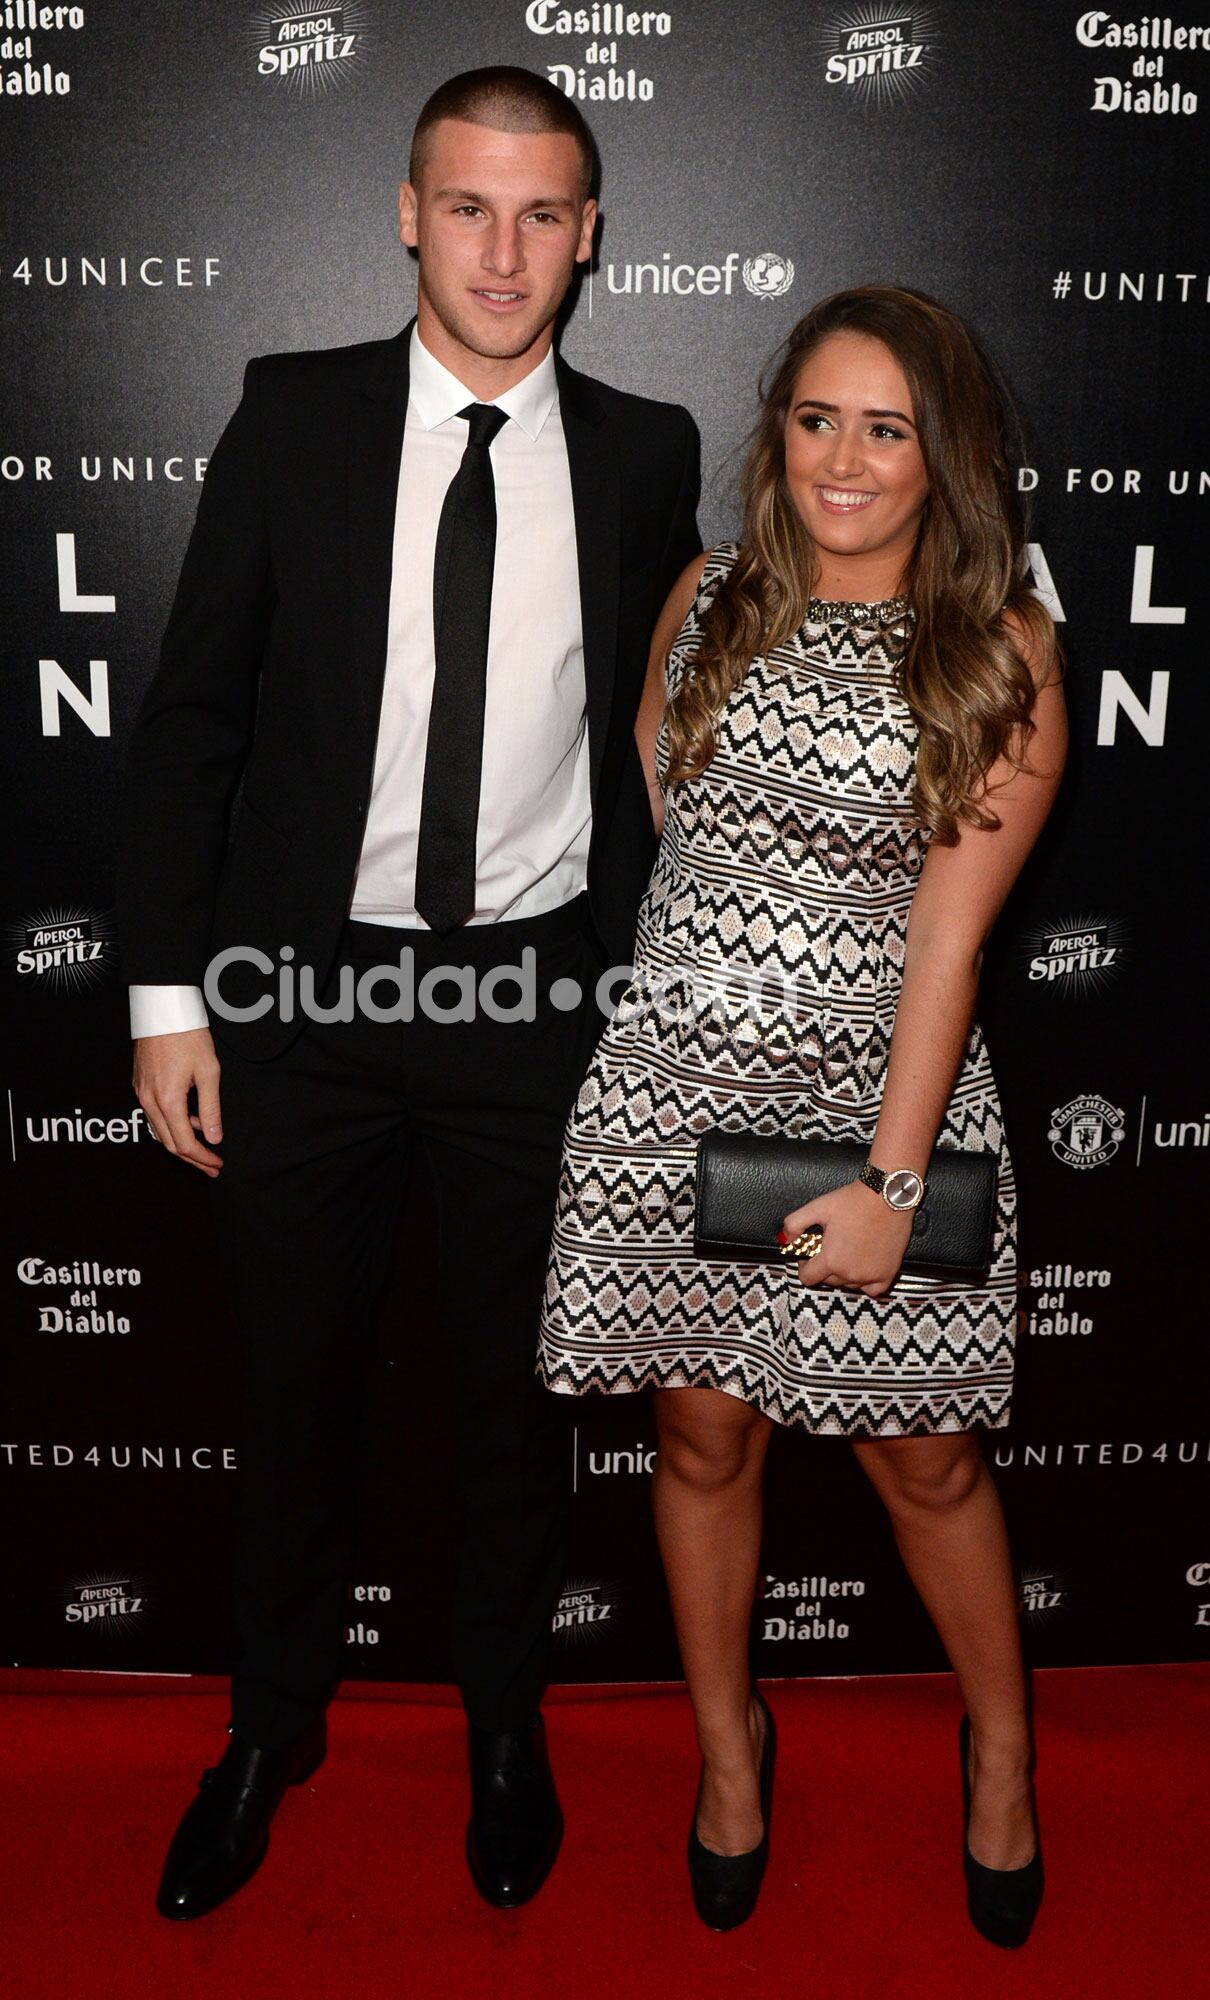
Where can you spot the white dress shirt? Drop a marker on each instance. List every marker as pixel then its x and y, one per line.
pixel 535 815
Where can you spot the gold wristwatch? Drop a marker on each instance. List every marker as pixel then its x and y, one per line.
pixel 901 1190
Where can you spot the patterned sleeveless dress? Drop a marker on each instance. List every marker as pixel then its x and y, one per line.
pixel 768 965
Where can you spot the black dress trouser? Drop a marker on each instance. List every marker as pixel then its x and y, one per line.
pixel 317 1150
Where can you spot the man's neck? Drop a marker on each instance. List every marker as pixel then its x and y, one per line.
pixel 485 375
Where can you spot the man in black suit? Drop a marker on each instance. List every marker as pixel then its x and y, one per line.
pixel 407 648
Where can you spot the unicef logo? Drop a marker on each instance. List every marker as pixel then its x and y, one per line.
pixel 768 276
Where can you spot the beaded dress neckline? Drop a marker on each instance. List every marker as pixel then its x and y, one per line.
pixel 848 611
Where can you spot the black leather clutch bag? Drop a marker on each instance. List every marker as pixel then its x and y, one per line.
pixel 746 1184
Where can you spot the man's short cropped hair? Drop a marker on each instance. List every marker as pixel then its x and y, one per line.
pixel 507 100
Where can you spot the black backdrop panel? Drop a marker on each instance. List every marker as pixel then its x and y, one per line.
pixel 192 184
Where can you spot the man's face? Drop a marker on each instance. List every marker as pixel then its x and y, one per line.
pixel 499 222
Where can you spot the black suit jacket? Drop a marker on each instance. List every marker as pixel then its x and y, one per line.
pixel 270 680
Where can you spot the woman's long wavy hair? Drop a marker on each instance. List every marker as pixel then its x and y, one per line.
pixel 962 672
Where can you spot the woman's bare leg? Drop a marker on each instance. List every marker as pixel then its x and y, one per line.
pixel 707 1497
pixel 949 1525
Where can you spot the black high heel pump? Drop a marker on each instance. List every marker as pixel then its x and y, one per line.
pixel 1002 1902
pixel 726 1886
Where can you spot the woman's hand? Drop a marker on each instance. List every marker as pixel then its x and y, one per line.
pixel 864 1240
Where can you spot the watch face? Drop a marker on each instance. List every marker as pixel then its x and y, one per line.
pixel 903 1189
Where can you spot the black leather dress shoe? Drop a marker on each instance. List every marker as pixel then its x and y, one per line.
pixel 224 1835
pixel 515 1824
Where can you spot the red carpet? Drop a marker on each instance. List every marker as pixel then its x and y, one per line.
pixel 365 1895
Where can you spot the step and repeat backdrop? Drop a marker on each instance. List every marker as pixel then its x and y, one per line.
pixel 191 184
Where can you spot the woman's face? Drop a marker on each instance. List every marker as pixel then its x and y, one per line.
pixel 854 466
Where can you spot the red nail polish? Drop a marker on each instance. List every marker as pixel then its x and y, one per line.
pixel 782 1237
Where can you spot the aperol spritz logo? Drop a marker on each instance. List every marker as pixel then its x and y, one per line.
pixel 879 54
pixel 1041 1593
pixel 66 947
pixel 310 50
pixel 581 1612
pixel 104 1603
pixel 1076 955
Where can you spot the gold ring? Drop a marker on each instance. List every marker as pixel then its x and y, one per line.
pixel 807 1245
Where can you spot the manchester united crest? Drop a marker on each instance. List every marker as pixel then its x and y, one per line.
pixel 1086 1132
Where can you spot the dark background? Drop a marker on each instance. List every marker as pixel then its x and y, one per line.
pixel 980 172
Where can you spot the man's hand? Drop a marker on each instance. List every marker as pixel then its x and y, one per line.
pixel 166 1068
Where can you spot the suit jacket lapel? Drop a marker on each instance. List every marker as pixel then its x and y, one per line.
pixel 596 500
pixel 376 419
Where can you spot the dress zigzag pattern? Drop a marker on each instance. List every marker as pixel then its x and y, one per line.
pixel 768 964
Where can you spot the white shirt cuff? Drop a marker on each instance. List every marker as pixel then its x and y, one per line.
pixel 166 1010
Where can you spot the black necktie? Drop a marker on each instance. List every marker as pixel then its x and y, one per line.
pixel 462 606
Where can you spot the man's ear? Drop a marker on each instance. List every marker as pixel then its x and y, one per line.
pixel 588 230
pixel 408 214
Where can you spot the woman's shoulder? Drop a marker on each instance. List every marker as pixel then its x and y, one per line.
pixel 691 594
pixel 722 557
pixel 1030 631
pixel 714 565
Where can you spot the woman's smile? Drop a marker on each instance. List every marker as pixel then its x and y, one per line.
pixel 843 500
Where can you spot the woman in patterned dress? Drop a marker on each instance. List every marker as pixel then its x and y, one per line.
pixel 853 731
